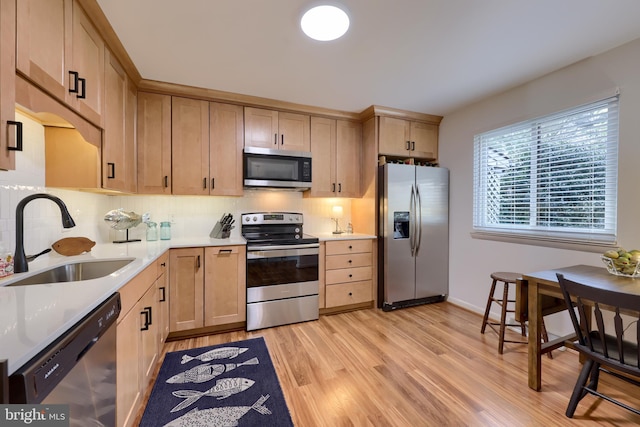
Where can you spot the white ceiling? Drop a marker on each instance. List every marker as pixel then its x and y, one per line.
pixel 429 56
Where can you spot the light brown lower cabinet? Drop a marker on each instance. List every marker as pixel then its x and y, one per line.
pixel 208 287
pixel 349 268
pixel 140 336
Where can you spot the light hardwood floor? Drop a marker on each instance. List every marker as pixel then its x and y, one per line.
pixel 421 366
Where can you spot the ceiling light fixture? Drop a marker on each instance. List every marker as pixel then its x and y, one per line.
pixel 325 23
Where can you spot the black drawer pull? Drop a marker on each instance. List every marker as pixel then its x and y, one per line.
pixel 350 247
pixel 350 276
pixel 350 261
pixel 74 88
pixel 83 90
pixel 350 294
pixel 112 172
pixel 18 126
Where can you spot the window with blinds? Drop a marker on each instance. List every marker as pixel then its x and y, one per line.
pixel 551 178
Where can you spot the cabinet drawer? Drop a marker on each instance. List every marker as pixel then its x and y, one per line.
pixel 348 275
pixel 348 293
pixel 348 246
pixel 334 262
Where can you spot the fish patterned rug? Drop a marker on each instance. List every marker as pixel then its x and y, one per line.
pixel 231 384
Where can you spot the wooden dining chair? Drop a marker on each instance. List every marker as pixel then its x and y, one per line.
pixel 605 347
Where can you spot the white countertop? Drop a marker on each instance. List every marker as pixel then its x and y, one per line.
pixel 34 316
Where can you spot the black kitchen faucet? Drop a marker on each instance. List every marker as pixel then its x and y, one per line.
pixel 20 264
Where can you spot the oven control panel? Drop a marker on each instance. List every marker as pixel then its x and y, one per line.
pixel 260 218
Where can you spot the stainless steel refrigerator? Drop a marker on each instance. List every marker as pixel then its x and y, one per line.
pixel 413 235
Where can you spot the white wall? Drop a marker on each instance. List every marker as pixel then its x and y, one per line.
pixel 473 260
pixel 191 216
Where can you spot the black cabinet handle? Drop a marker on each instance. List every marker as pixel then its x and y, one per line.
pixel 18 126
pixel 74 88
pixel 334 188
pixel 112 173
pixel 408 145
pixel 147 318
pixel 225 251
pixel 198 262
pixel 83 90
pixel 340 188
pixel 213 183
pixel 282 136
pixel 350 247
pixel 350 294
pixel 166 181
pixel 350 276
pixel 164 264
pixel 350 261
pixel 204 183
pixel 275 139
pixel 413 146
pixel 163 298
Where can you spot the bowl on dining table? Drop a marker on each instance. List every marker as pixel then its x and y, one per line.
pixel 622 263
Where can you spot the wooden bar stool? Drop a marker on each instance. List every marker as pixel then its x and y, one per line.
pixel 507 278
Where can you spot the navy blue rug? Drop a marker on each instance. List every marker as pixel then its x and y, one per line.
pixel 222 385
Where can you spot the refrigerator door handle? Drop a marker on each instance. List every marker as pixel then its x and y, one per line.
pixel 412 221
pixel 419 220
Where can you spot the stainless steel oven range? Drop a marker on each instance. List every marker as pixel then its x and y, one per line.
pixel 282 270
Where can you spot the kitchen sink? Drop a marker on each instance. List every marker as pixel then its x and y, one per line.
pixel 73 272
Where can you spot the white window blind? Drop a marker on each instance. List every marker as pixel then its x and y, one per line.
pixel 551 178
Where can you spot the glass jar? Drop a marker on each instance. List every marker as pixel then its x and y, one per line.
pixel 152 231
pixel 165 230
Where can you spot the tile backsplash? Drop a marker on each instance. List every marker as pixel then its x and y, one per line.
pixel 191 216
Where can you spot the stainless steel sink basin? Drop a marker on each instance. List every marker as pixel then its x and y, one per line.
pixel 73 272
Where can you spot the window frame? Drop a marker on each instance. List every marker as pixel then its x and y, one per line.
pixel 586 239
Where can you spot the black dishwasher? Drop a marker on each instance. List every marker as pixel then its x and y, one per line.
pixel 78 369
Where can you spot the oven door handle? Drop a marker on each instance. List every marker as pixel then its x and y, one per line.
pixel 282 247
pixel 281 253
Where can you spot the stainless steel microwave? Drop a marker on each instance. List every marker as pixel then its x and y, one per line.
pixel 267 168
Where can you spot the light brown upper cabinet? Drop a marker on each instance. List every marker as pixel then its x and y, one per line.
pixel 118 140
pixel 7 84
pixel 206 147
pixel 60 50
pixel 276 130
pixel 400 137
pixel 154 143
pixel 190 146
pixel 336 147
pixel 226 138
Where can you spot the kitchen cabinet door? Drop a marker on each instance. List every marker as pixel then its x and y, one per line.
pixel 154 143
pixel 118 146
pixel 394 138
pixel 129 377
pixel 424 140
pixel 294 132
pixel 186 288
pixel 87 59
pixel 336 148
pixel 348 158
pixel 190 146
pixel 323 149
pixel 7 84
pixel 163 300
pixel 43 35
pixel 260 128
pixel 148 310
pixel 225 285
pixel 226 139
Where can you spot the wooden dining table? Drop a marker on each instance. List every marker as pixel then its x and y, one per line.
pixel 538 294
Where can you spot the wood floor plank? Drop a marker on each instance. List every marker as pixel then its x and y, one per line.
pixel 420 366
